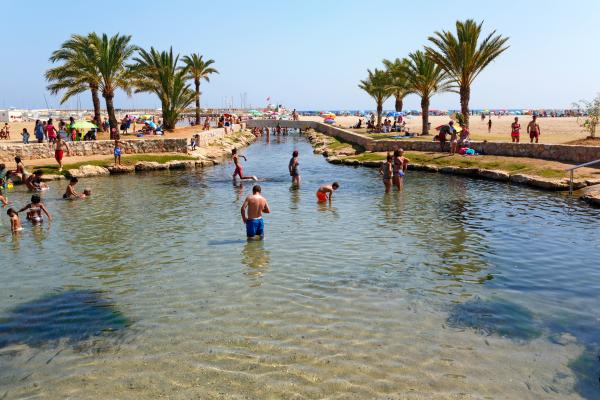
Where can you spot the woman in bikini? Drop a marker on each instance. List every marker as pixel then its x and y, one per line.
pixel 399 169
pixel 515 131
pixel 35 209
pixel 387 171
pixel 238 167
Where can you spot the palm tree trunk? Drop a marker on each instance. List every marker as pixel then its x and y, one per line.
pixel 425 115
pixel 110 109
pixel 465 96
pixel 379 112
pixel 96 103
pixel 398 105
pixel 197 83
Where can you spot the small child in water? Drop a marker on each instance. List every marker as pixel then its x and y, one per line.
pixel 325 192
pixel 70 193
pixel 3 201
pixel 15 222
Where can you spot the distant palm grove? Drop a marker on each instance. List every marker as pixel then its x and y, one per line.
pixel 449 64
pixel 101 65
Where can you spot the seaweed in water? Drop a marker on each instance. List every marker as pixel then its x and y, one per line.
pixel 496 316
pixel 73 315
pixel 587 374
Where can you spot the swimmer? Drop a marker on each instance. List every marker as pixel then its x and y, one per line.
pixel 34 182
pixel 400 166
pixel 387 171
pixel 70 193
pixel 87 192
pixel 256 205
pixel 325 192
pixel 293 168
pixel 35 208
pixel 15 222
pixel 238 167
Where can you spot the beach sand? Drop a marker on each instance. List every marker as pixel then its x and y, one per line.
pixel 554 130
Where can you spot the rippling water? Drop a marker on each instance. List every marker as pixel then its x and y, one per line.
pixel 455 288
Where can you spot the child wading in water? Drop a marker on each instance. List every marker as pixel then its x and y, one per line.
pixel 35 209
pixel 15 222
pixel 325 192
pixel 238 167
pixel 70 193
pixel 387 171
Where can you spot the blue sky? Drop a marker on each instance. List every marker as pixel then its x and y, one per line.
pixel 311 54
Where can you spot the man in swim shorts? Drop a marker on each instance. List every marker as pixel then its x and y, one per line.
pixel 256 204
pixel 238 167
pixel 59 151
pixel 325 192
pixel 533 128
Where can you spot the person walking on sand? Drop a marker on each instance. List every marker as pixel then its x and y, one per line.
pixel 256 205
pixel 293 168
pixel 400 166
pixel 533 129
pixel 239 171
pixel 38 131
pixel 515 131
pixel 59 151
pixel 490 124
pixel 325 192
pixel 387 171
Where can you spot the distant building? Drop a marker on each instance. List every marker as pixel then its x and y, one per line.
pixel 11 116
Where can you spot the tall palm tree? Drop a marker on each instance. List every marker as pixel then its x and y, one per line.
pixel 77 73
pixel 158 72
pixel 425 78
pixel 198 69
pixel 463 57
pixel 112 56
pixel 377 85
pixel 400 90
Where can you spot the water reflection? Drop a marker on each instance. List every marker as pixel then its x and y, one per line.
pixel 257 259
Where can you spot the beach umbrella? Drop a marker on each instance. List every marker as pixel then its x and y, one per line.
pixel 83 125
pixel 151 124
pixel 395 114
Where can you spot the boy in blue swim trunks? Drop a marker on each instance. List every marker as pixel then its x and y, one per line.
pixel 256 205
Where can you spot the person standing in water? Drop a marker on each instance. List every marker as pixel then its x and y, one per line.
pixel 293 168
pixel 15 222
pixel 59 151
pixel 239 171
pixel 325 192
pixel 533 128
pixel 35 209
pixel 515 131
pixel 400 166
pixel 387 170
pixel 256 205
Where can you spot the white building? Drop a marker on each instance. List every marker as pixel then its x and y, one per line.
pixel 11 116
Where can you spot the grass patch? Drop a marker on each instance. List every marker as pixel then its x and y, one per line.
pixel 125 160
pixel 535 167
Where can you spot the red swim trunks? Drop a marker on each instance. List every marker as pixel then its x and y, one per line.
pixel 321 197
pixel 58 155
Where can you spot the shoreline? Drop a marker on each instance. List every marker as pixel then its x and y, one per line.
pixel 335 152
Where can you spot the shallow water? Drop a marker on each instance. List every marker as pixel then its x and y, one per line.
pixel 455 288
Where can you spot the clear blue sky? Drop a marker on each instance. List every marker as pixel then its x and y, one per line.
pixel 311 54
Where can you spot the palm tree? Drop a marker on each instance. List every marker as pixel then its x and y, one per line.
pixel 159 73
pixel 425 78
pixel 463 57
pixel 198 69
pixel 400 90
pixel 112 55
pixel 77 73
pixel 377 85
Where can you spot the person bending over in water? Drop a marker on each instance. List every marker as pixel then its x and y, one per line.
pixel 325 192
pixel 400 165
pixel 256 205
pixel 293 168
pixel 386 170
pixel 70 193
pixel 3 201
pixel 34 210
pixel 15 222
pixel 34 182
pixel 238 167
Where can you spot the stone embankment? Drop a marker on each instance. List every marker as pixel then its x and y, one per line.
pixel 214 152
pixel 590 194
pixel 577 154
